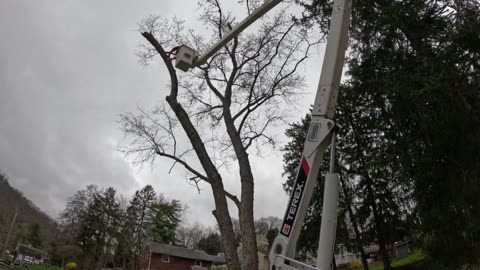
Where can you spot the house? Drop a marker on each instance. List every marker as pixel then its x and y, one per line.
pixel 399 249
pixel 371 252
pixel 168 257
pixel 262 255
pixel 344 256
pixel 403 249
pixel 30 255
pixel 263 262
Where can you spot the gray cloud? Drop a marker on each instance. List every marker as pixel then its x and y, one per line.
pixel 67 70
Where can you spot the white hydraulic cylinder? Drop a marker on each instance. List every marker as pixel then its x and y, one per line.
pixel 326 244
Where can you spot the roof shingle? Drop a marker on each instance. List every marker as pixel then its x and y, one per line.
pixel 182 252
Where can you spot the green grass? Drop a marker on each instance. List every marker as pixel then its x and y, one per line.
pixel 38 267
pixel 3 266
pixel 412 259
pixel 373 266
pixel 31 267
pixel 396 263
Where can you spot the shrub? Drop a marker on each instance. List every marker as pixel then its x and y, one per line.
pixel 355 264
pixel 71 265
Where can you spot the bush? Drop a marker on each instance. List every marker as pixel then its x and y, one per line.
pixel 355 264
pixel 71 265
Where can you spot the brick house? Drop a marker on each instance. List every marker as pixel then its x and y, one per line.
pixel 168 257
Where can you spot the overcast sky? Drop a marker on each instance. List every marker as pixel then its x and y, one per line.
pixel 67 70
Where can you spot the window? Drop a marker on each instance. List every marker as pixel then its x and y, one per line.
pixel 198 262
pixel 165 258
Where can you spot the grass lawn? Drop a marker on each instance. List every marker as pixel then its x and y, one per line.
pixel 38 267
pixel 3 266
pixel 398 263
pixel 412 259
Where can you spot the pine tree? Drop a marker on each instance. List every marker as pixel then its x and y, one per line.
pixel 139 218
pixel 211 244
pixel 165 220
pixel 98 229
pixel 417 61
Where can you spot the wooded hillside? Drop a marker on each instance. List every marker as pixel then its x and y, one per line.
pixel 32 226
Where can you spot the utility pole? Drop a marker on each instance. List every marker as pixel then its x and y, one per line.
pixel 9 233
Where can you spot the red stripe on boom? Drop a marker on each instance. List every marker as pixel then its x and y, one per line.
pixel 305 166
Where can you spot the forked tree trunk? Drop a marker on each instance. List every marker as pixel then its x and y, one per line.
pixel 221 213
pixel 247 223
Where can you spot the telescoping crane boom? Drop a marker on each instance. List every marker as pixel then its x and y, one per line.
pixel 320 135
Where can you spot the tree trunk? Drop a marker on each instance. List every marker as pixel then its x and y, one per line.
pixel 247 224
pixel 385 257
pixel 379 230
pixel 221 212
pixel 225 225
pixel 247 227
pixel 371 202
pixel 353 219
pixel 358 239
pixel 363 257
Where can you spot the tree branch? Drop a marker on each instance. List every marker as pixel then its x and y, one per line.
pixel 167 61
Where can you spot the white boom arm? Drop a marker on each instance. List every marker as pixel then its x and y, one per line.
pixel 188 58
pixel 256 14
pixel 318 138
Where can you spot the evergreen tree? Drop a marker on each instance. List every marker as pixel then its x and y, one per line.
pixel 111 222
pixel 211 244
pixel 138 220
pixel 109 235
pixel 98 229
pixel 417 63
pixel 165 220
pixel 271 234
pixel 371 191
pixel 34 235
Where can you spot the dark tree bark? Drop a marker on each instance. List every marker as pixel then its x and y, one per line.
pixel 358 237
pixel 221 213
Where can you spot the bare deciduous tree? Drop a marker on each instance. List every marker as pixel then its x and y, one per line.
pixel 225 108
pixel 189 236
pixel 264 224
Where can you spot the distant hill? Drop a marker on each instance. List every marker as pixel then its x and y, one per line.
pixel 32 225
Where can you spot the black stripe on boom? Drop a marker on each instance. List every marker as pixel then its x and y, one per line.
pixel 294 202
